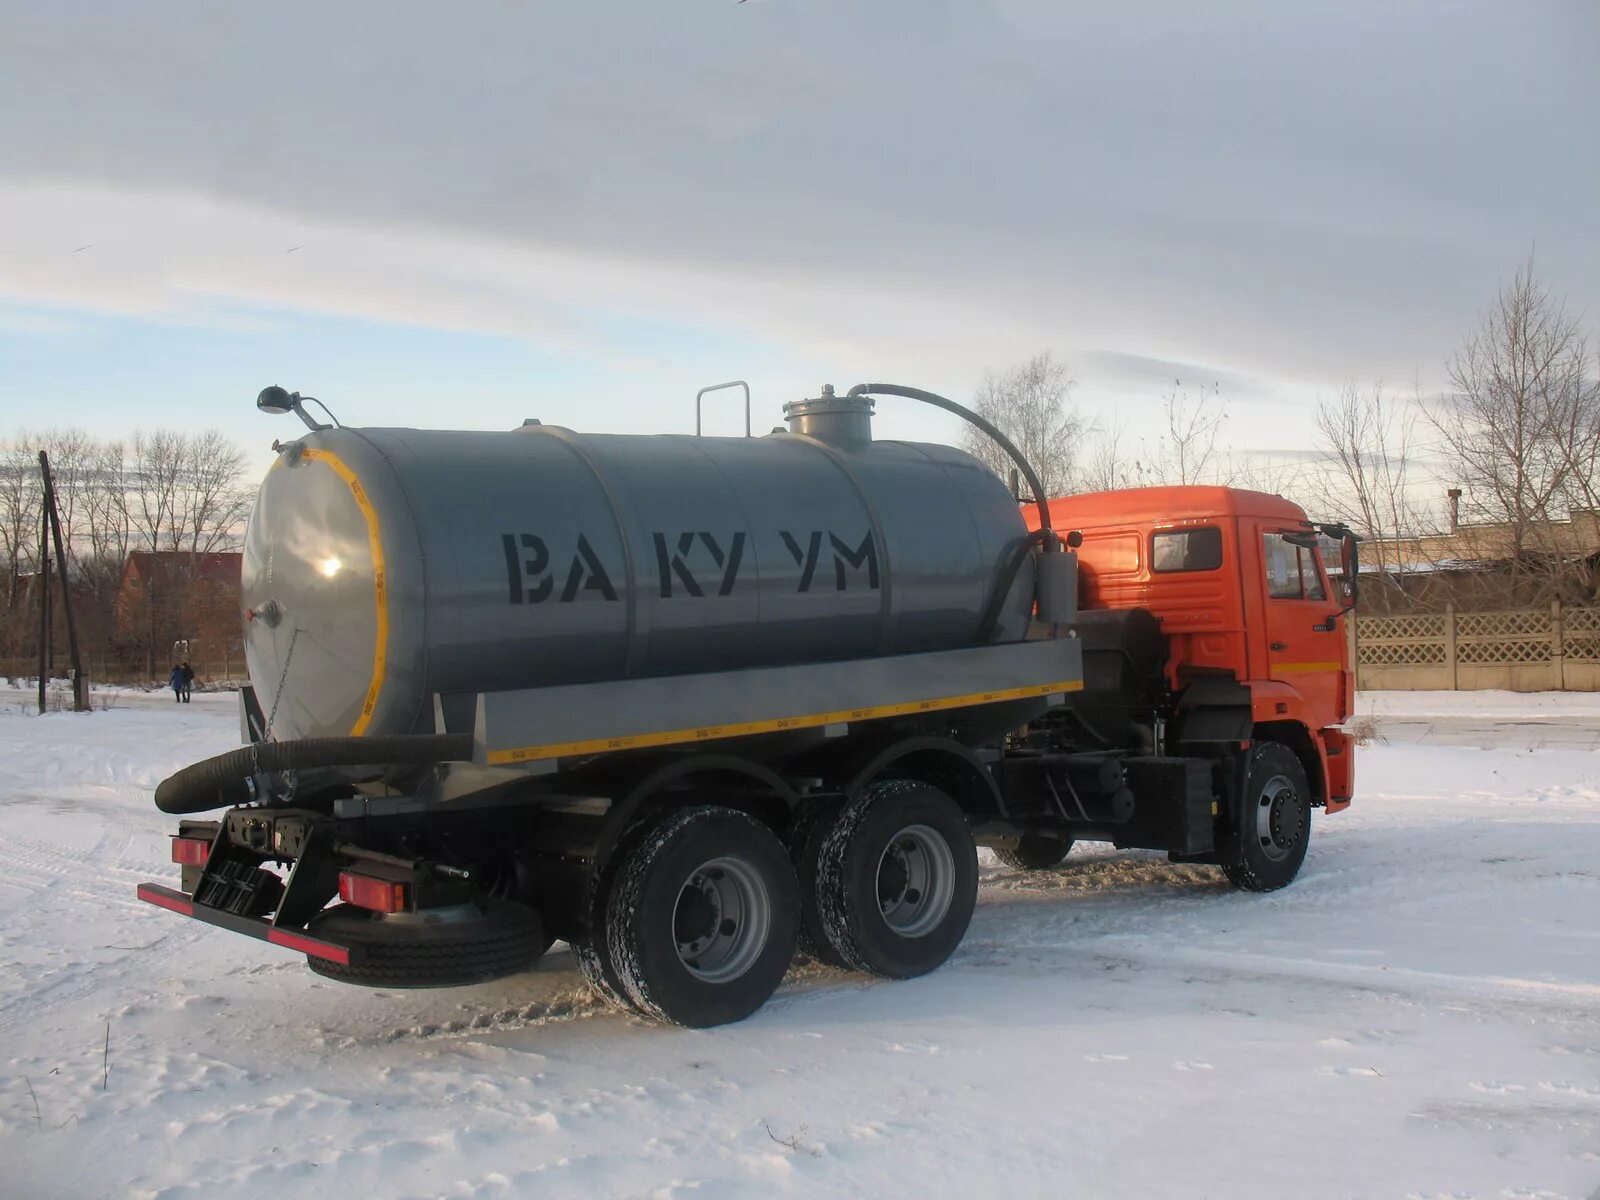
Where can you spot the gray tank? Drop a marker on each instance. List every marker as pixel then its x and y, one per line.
pixel 383 567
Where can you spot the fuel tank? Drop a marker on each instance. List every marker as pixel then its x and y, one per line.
pixel 383 567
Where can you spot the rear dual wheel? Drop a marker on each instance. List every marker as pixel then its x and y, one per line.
pixel 888 880
pixel 696 923
pixel 697 920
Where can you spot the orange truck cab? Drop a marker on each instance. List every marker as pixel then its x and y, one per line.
pixel 1213 637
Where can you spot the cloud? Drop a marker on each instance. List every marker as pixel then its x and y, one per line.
pixel 1161 376
pixel 914 185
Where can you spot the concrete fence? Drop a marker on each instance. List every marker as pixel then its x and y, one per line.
pixel 1523 650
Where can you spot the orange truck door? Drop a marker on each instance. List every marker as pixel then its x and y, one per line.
pixel 1304 642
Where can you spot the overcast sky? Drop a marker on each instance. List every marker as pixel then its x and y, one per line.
pixel 464 214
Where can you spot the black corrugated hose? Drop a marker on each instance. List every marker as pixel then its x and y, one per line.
pixel 221 782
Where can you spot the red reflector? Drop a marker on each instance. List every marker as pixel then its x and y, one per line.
pixel 379 895
pixel 190 852
pixel 166 898
pixel 309 945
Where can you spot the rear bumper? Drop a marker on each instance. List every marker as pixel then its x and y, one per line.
pixel 257 927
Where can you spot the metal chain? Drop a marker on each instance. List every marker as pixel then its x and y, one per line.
pixel 277 696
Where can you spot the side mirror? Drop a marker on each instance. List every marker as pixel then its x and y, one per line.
pixel 1349 559
pixel 1350 565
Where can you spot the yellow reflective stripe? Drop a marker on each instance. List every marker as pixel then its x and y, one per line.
pixel 1287 668
pixel 380 650
pixel 808 721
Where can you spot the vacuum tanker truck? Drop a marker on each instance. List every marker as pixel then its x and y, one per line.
pixel 695 704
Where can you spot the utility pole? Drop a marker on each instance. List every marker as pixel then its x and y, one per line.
pixel 44 607
pixel 80 684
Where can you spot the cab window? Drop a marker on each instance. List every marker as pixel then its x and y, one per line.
pixel 1310 577
pixel 1291 570
pixel 1186 549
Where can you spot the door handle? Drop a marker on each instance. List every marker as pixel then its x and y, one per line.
pixel 1280 645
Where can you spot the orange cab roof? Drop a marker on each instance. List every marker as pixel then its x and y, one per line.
pixel 1161 504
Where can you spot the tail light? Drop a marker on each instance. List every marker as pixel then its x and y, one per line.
pixel 190 852
pixel 379 895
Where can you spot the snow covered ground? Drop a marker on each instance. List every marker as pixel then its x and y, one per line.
pixel 1419 1015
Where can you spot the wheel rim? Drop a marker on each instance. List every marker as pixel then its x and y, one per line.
pixel 1278 818
pixel 721 920
pixel 916 881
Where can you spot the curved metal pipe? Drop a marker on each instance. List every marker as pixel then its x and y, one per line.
pixel 988 427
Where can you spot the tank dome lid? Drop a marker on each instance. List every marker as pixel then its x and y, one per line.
pixel 844 421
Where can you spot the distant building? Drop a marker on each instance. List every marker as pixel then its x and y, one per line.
pixel 167 596
pixel 1471 564
pixel 1576 537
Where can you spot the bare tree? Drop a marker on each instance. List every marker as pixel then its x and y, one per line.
pixel 1579 439
pixel 1282 473
pixel 106 526
pixel 1367 440
pixel 1107 466
pixel 1187 452
pixel 20 496
pixel 1518 393
pixel 168 491
pixel 1032 405
pixel 211 504
pixel 156 473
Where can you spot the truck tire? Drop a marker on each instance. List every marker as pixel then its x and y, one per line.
pixel 811 825
pixel 472 944
pixel 592 950
pixel 1035 852
pixel 1264 850
pixel 897 879
pixel 701 918
pixel 598 971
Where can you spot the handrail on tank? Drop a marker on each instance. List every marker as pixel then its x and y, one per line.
pixel 717 387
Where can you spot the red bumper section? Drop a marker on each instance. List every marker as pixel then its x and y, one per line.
pixel 256 927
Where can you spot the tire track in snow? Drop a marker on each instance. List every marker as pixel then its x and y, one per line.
pixel 89 978
pixel 95 874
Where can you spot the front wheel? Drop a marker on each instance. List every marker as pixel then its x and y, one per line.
pixel 1264 850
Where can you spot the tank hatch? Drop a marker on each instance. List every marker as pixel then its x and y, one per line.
pixel 843 421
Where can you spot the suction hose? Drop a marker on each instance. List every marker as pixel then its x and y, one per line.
pixel 221 782
pixel 1044 536
pixel 988 427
